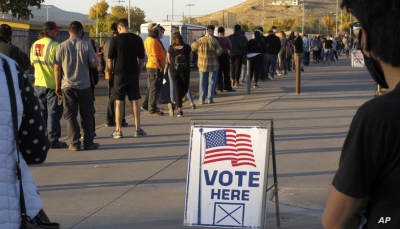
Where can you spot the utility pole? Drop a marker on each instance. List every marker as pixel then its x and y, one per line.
pixel 337 8
pixel 190 6
pixel 97 19
pixel 172 10
pixel 47 14
pixel 263 14
pixel 129 14
pixel 302 24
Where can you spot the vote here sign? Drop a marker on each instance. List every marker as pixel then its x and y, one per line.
pixel 226 180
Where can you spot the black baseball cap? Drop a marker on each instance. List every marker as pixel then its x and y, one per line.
pixel 211 27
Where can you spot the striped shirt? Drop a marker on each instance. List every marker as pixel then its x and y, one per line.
pixel 208 50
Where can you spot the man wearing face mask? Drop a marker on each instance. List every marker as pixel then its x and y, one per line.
pixel 155 69
pixel 365 191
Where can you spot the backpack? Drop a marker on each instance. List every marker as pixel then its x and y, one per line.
pixel 180 62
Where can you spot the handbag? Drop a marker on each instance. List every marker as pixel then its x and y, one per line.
pixel 40 221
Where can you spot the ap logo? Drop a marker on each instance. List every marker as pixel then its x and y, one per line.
pixel 384 220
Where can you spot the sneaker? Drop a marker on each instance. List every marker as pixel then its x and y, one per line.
pixel 210 101
pixel 109 124
pixel 93 145
pixel 117 134
pixel 180 114
pixel 193 106
pixel 94 135
pixel 157 113
pixel 140 133
pixel 279 74
pixel 58 145
pixel 270 77
pixel 255 86
pixel 171 109
pixel 302 69
pixel 75 147
pixel 124 124
pixel 201 102
pixel 144 109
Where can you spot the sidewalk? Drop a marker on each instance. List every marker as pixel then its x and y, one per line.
pixel 140 182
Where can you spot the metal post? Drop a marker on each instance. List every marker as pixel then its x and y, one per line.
pixel 302 23
pixel 47 12
pixel 190 6
pixel 298 73
pixel 129 14
pixel 337 8
pixel 263 14
pixel 248 77
pixel 97 19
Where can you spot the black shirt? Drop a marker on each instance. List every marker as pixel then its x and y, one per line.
pixel 256 46
pixel 370 161
pixel 173 52
pixel 125 49
pixel 273 44
pixel 298 45
pixel 328 43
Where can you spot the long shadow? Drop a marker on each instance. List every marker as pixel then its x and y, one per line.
pixel 314 136
pixel 305 174
pixel 111 161
pixel 90 185
pixel 314 150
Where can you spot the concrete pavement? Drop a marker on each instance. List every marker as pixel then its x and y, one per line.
pixel 140 182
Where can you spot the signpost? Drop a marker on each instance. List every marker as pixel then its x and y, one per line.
pixel 228 173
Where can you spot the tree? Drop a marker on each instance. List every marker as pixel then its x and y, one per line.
pixel 19 9
pixel 99 10
pixel 106 19
pixel 214 22
pixel 328 22
pixel 190 20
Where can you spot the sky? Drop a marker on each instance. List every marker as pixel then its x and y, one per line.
pixel 155 10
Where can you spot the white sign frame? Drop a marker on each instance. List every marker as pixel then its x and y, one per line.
pixel 201 181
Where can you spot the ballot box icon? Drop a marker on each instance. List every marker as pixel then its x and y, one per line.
pixel 228 214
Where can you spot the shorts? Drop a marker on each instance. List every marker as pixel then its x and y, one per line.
pixel 126 86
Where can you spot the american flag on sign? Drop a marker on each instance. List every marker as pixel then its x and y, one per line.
pixel 227 145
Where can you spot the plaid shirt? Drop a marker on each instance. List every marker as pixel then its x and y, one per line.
pixel 208 50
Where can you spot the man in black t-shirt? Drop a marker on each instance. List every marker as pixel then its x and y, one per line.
pixel 327 46
pixel 366 188
pixel 125 50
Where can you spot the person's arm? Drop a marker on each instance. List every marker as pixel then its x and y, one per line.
pixel 110 66
pixel 93 58
pixel 34 142
pixel 141 65
pixel 342 211
pixel 57 76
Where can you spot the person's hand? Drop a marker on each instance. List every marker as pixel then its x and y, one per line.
pixel 58 91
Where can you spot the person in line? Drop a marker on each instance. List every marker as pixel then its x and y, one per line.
pixel 365 191
pixel 256 46
pixel 237 53
pixel 155 69
pixel 282 63
pixel 224 79
pixel 298 50
pixel 180 75
pixel 110 114
pixel 72 61
pixel 42 59
pixel 273 47
pixel 307 48
pixel 125 62
pixel 315 46
pixel 11 50
pixel 327 45
pixel 172 92
pixel 33 145
pixel 208 50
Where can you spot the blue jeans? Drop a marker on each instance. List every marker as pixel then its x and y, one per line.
pixel 52 112
pixel 327 55
pixel 243 74
pixel 208 81
pixel 172 92
pixel 271 64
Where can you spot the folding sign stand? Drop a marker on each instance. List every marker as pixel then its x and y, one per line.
pixel 228 173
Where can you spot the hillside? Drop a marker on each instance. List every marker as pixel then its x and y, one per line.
pixel 251 10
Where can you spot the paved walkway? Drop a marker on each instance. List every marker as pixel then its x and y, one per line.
pixel 140 183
